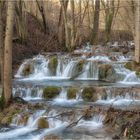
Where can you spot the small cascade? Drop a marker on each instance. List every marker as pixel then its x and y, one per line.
pixel 131 77
pixel 62 99
pixel 94 123
pixel 28 93
pixel 30 127
pixel 126 76
pixel 119 98
pixel 70 69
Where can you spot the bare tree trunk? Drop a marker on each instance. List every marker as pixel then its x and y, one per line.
pixel 8 53
pixel 21 21
pixel 73 30
pixel 137 32
pixel 94 34
pixel 61 26
pixel 42 12
pixel 1 45
pixel 67 37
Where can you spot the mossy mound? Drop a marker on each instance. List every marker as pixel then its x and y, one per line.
pixel 28 69
pixel 42 123
pixel 133 66
pixel 53 62
pixel 71 94
pixel 80 65
pixel 51 92
pixel 107 73
pixel 89 94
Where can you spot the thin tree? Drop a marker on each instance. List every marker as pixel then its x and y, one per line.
pixel 137 32
pixel 110 13
pixel 65 18
pixel 95 30
pixel 40 5
pixel 21 21
pixel 8 52
pixel 1 42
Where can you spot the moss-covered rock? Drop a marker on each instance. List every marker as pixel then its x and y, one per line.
pixel 53 62
pixel 71 94
pixel 80 65
pixel 51 92
pixel 89 94
pixel 28 69
pixel 107 73
pixel 133 66
pixel 42 123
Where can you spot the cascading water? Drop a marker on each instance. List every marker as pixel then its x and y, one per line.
pixel 62 99
pixel 28 93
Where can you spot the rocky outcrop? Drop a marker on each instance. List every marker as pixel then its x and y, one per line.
pixel 28 69
pixel 89 94
pixel 107 73
pixel 51 92
pixel 53 62
pixel 71 94
pixel 42 123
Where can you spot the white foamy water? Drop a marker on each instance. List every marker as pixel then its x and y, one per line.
pixel 64 101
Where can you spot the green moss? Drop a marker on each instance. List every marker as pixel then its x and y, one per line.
pixel 107 73
pixel 53 62
pixel 42 123
pixel 72 93
pixel 51 92
pixel 89 94
pixel 80 66
pixel 133 66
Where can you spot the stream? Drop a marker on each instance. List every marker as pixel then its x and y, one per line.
pixel 120 89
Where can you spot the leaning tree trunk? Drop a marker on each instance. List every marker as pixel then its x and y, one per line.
pixel 8 53
pixel 94 34
pixel 137 32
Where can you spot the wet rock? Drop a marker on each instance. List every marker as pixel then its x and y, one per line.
pixel 89 94
pixel 71 94
pixel 51 92
pixel 53 62
pixel 42 123
pixel 28 69
pixel 133 66
pixel 107 73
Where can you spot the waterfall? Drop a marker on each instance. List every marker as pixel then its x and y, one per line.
pixel 62 99
pixel 70 69
pixel 28 93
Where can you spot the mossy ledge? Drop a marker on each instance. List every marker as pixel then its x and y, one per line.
pixel 89 94
pixel 71 94
pixel 51 92
pixel 53 62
